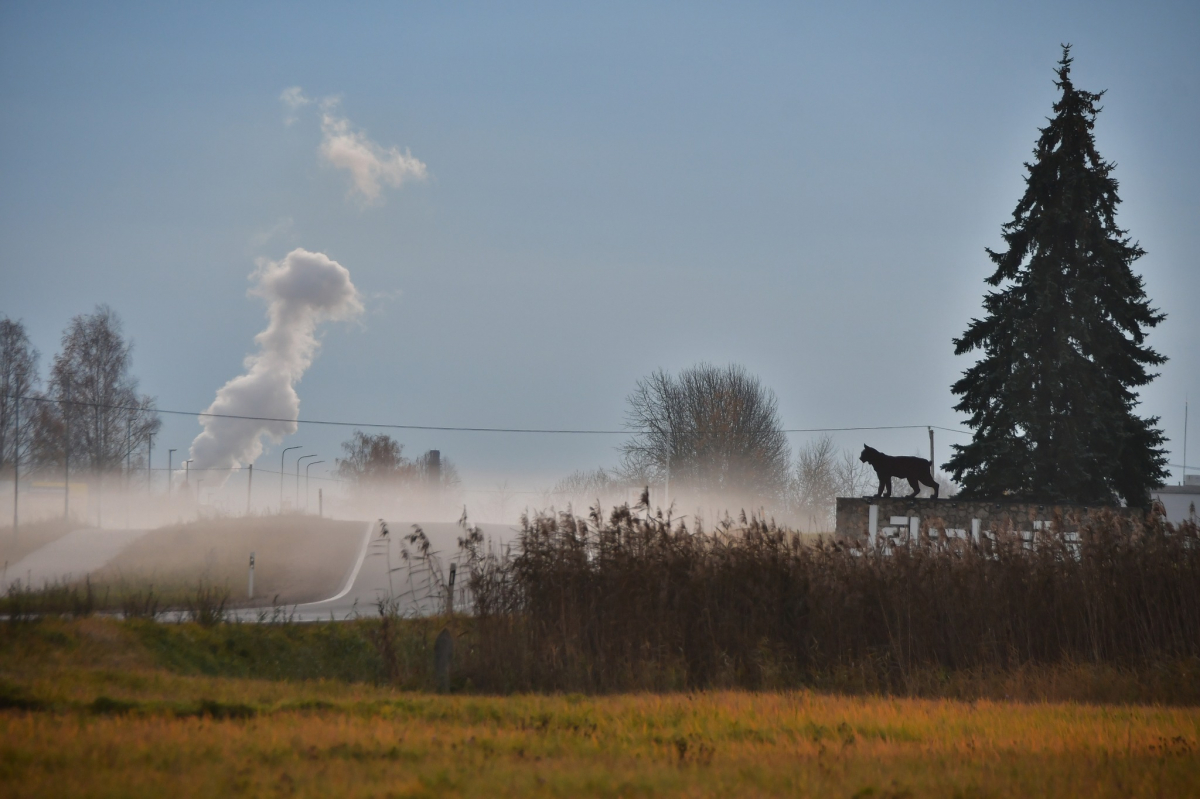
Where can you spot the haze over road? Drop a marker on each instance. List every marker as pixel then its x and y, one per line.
pixel 368 584
pixel 71 557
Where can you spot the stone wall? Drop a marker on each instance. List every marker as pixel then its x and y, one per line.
pixel 903 518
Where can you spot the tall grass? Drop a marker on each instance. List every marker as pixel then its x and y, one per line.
pixel 636 601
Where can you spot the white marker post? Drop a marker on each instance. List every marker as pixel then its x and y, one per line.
pixel 251 590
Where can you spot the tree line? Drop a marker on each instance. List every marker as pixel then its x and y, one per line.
pixel 88 415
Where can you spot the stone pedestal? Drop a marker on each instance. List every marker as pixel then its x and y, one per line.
pixel 902 517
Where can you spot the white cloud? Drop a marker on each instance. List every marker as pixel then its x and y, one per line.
pixel 281 227
pixel 293 97
pixel 370 165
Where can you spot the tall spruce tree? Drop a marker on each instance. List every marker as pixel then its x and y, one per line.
pixel 1052 399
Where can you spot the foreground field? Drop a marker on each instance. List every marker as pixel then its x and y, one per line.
pixel 90 709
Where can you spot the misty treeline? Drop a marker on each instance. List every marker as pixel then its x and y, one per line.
pixel 712 436
pixel 634 601
pixel 378 464
pixel 87 409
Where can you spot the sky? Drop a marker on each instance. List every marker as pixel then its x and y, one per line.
pixel 541 203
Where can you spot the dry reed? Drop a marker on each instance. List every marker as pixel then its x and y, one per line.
pixel 636 601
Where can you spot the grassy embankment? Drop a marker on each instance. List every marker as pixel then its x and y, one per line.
pixel 298 559
pixel 101 707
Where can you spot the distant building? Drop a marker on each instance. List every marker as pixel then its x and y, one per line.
pixel 1180 502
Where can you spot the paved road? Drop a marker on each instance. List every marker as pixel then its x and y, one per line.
pixel 71 557
pixel 378 573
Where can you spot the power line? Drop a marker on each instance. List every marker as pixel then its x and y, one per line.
pixel 453 429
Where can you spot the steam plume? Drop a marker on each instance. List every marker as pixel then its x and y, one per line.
pixel 302 290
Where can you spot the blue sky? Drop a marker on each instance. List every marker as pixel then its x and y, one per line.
pixel 806 190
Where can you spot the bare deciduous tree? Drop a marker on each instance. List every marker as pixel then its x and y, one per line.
pixel 93 395
pixel 854 478
pixel 715 429
pixel 582 489
pixel 817 484
pixel 18 378
pixel 822 475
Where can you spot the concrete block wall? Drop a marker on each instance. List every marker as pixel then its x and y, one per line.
pixel 900 519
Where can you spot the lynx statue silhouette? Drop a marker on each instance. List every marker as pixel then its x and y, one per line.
pixel 915 470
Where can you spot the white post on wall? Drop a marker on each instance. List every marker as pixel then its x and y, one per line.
pixel 872 524
pixel 914 528
pixel 975 526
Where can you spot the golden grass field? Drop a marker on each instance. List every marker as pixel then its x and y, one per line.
pixel 90 711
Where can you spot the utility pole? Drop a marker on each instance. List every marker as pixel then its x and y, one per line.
pixel 931 446
pixel 170 475
pixel 149 472
pixel 67 453
pixel 667 482
pixel 16 459
pixel 281 457
pixel 302 457
pixel 98 466
pixel 306 468
pixel 128 453
pixel 320 504
pixel 249 486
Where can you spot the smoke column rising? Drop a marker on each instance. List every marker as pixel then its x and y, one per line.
pixel 303 290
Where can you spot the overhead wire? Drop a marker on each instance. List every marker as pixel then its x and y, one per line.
pixel 453 428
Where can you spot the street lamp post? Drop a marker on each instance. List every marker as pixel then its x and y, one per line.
pixel 306 468
pixel 170 475
pixel 187 473
pixel 281 456
pixel 302 457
